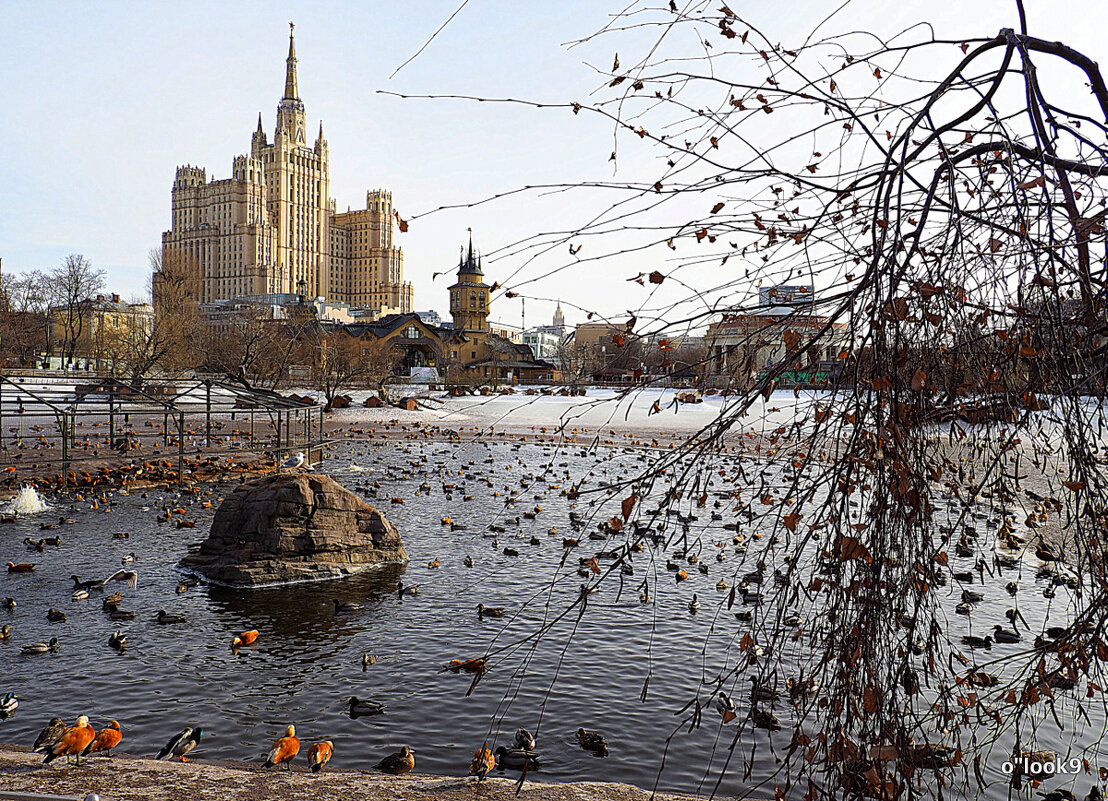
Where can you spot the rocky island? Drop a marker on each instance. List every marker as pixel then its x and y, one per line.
pixel 293 527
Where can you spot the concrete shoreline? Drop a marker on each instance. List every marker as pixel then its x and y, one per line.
pixel 124 777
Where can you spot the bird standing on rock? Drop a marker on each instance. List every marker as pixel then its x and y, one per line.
pixel 398 762
pixel 319 755
pixel 73 741
pixel 106 739
pixel 284 749
pixel 49 735
pixel 483 762
pixel 183 743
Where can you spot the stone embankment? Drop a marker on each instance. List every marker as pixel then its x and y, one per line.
pixel 127 778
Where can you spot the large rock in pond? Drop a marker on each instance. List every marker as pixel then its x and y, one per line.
pixel 293 527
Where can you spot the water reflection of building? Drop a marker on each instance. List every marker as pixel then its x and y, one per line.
pixel 742 346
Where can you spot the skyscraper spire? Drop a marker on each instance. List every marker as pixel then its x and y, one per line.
pixel 291 91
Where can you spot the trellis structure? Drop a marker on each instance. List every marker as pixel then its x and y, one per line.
pixel 44 415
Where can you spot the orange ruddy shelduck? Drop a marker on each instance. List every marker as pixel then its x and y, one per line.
pixel 75 740
pixel 483 762
pixel 319 755
pixel 246 638
pixel 106 739
pixel 284 749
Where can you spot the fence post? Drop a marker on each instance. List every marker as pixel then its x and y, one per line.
pixel 208 415
pixel 181 448
pixel 65 451
pixel 277 444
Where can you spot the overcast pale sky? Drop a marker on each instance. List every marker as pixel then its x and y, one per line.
pixel 103 100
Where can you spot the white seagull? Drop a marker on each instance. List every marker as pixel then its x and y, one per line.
pixel 294 462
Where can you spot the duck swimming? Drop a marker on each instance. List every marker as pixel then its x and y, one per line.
pixel 40 647
pixel 489 611
pixel 726 707
pixel 94 584
pixel 8 704
pixel 118 640
pixel 246 638
pixel 524 740
pixel 516 758
pixel 167 619
pixel 592 741
pixel 1002 634
pixel 359 708
pixel 344 607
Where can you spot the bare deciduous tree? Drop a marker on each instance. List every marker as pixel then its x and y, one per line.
pixel 71 287
pixel 947 199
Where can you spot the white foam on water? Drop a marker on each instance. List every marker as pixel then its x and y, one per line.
pixel 27 502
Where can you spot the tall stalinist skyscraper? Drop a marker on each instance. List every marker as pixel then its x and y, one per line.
pixel 272 228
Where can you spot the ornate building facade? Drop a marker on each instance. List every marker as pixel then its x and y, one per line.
pixel 271 228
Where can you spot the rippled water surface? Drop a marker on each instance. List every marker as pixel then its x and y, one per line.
pixel 307 660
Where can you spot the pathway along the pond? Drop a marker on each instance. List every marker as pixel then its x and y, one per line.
pixel 124 777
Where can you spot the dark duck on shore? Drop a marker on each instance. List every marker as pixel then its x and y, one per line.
pixel 398 762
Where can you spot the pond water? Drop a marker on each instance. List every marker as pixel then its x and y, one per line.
pixel 307 662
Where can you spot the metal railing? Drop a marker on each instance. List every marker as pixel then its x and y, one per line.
pixel 40 416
